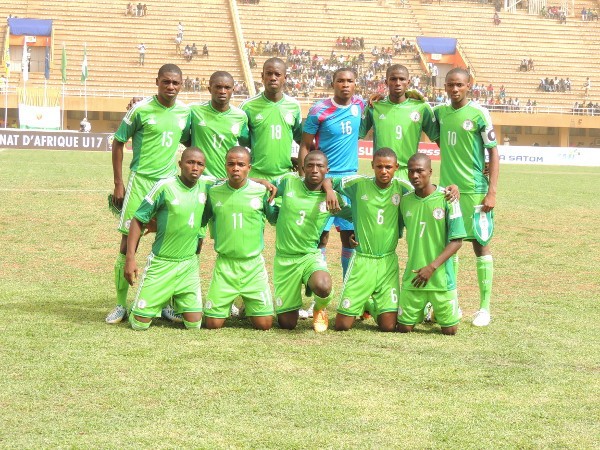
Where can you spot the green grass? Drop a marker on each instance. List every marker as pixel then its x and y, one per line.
pixel 530 380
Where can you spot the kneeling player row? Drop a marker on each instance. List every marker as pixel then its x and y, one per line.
pixel 235 209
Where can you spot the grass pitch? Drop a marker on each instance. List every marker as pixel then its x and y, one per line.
pixel 530 380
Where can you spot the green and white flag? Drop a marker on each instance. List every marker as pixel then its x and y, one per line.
pixel 63 65
pixel 84 66
pixel 483 225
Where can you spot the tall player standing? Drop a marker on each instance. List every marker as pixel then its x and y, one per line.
pixel 275 122
pixel 333 124
pixel 398 120
pixel 466 132
pixel 156 125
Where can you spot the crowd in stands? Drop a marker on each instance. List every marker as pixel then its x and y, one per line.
pixel 554 84
pixel 138 10
pixel 554 12
pixel 587 15
pixel 356 43
pixel 526 65
pixel 402 45
pixel 589 109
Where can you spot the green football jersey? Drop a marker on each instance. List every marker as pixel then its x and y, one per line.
pixel 178 210
pixel 431 223
pixel 302 216
pixel 156 131
pixel 399 125
pixel 215 132
pixel 239 218
pixel 465 133
pixel 273 128
pixel 374 212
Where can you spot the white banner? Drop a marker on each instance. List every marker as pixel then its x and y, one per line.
pixel 39 117
pixel 555 156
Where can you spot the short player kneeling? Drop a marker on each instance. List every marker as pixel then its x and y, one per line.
pixel 373 269
pixel 302 216
pixel 239 207
pixel 434 232
pixel 172 267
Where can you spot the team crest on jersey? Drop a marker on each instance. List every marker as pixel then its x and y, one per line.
pixel 346 303
pixel 141 304
pixel 354 110
pixel 182 123
pixel 396 199
pixel 289 118
pixel 151 121
pixel 202 198
pixel 467 125
pixel 323 207
pixel 255 203
pixel 235 128
pixel 278 301
pixel 438 214
pixel 415 116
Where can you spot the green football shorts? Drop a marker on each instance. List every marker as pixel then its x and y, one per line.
pixel 445 306
pixel 467 207
pixel 370 276
pixel 289 274
pixel 163 279
pixel 232 278
pixel 137 188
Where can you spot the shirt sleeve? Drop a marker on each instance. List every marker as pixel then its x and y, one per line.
pixel 150 206
pixel 456 225
pixel 366 123
pixel 311 124
pixel 297 127
pixel 430 124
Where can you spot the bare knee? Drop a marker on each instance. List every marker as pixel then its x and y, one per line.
pixel 262 323
pixel 213 323
pixel 404 328
pixel 320 284
pixel 343 322
pixel 288 320
pixel 387 321
pixel 450 331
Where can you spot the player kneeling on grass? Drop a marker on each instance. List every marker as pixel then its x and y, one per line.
pixel 373 270
pixel 238 207
pixel 172 269
pixel 434 232
pixel 302 217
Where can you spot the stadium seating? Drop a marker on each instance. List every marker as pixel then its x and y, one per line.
pixel 566 50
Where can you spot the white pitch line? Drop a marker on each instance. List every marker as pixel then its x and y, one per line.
pixel 51 190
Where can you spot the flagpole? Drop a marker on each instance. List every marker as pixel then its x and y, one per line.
pixel 62 113
pixel 6 102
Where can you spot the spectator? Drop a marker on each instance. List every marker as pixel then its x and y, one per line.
pixel 180 30
pixel 140 9
pixel 496 18
pixel 194 49
pixel 205 50
pixel 85 126
pixel 142 51
pixel 178 45
pixel 145 9
pixel 187 53
pixel 130 11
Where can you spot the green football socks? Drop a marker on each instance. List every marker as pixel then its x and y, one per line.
pixel 193 325
pixel 485 277
pixel 121 284
pixel 137 325
pixel 321 303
